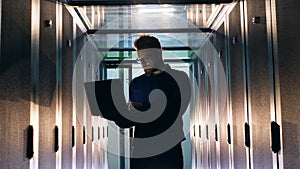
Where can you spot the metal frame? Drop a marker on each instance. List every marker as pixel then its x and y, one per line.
pixel 229 92
pixel 131 31
pixel 275 107
pixel 74 116
pixel 125 49
pixel 34 97
pixel 138 2
pixel 247 97
pixel 58 97
pixel 128 63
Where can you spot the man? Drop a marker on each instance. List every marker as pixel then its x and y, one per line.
pixel 167 127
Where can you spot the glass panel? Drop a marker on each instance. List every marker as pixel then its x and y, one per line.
pixel 108 41
pixel 131 56
pixel 176 26
pixel 113 73
pixel 118 26
pixel 101 16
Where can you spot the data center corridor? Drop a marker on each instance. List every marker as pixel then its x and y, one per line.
pixel 242 59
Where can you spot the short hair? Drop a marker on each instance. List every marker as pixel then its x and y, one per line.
pixel 146 41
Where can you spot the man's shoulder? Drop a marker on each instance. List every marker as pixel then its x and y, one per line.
pixel 139 78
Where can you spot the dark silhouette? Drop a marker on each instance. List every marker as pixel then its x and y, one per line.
pixel 158 99
pixel 175 85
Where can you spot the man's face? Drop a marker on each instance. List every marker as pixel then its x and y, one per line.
pixel 149 58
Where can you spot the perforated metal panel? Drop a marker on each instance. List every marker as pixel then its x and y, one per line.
pixel 224 149
pixel 47 79
pixel 15 78
pixel 237 88
pixel 259 83
pixel 66 80
pixel 288 61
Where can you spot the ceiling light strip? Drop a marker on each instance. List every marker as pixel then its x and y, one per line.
pixel 132 31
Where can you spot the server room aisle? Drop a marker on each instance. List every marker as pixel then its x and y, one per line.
pixel 241 57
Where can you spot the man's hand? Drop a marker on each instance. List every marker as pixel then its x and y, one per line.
pixel 138 106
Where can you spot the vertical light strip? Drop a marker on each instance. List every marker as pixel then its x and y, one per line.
pixel 103 127
pixel 201 119
pixel 190 128
pixel 106 144
pixel 98 141
pixel 83 56
pixel 204 15
pixel 102 15
pixel 197 15
pixel 193 124
pixel 98 17
pixel 102 144
pixel 275 107
pixel 99 121
pixel 228 79
pixel 93 136
pixel 217 113
pixel 34 96
pixel 198 111
pixel 84 10
pixel 74 117
pixel 244 70
pixel 127 149
pixel 276 80
pixel 248 85
pixel 244 31
pixel 207 62
pixel 271 68
pixel 126 131
pixel 93 17
pixel 92 117
pixel 216 58
pixel 270 52
pixel 58 83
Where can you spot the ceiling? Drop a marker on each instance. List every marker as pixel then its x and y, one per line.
pixel 179 27
pixel 138 2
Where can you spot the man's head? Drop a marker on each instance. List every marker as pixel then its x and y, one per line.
pixel 149 53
